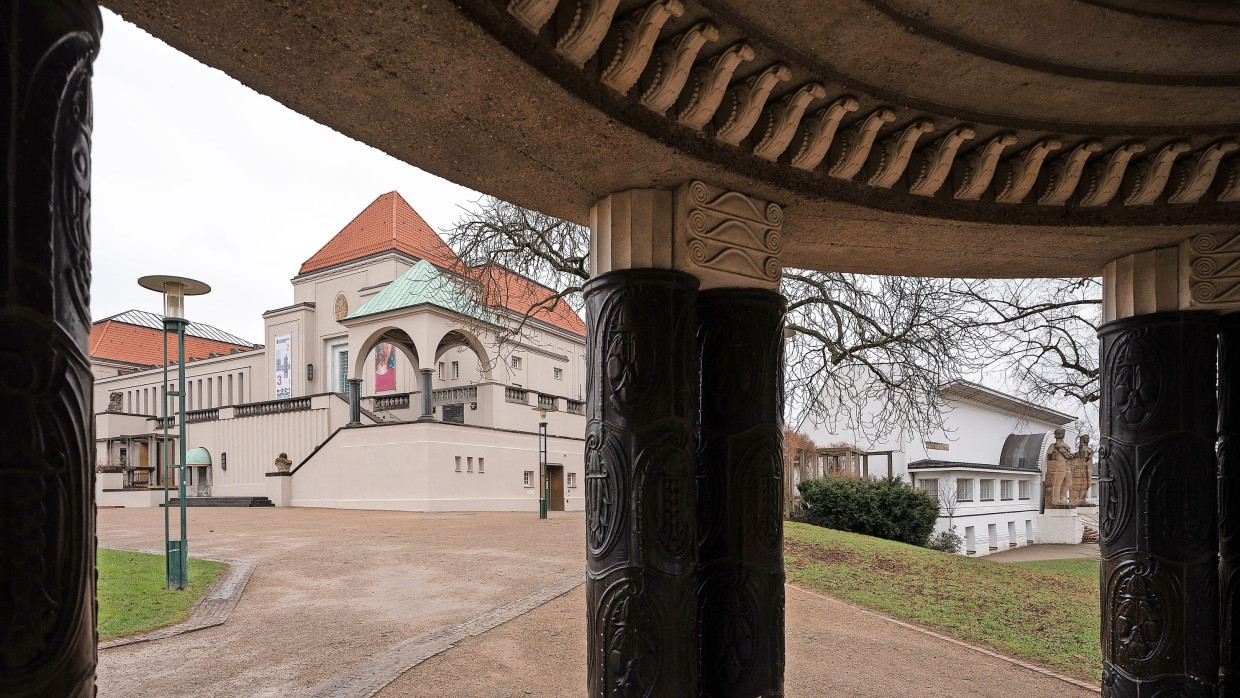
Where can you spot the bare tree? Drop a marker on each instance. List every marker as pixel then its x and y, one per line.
pixel 867 353
pixel 948 502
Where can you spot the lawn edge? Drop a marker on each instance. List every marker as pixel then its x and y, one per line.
pixel 213 608
pixel 961 643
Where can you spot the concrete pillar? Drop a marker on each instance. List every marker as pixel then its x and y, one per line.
pixel 428 406
pixel 651 250
pixel 1166 525
pixel 355 402
pixel 47 636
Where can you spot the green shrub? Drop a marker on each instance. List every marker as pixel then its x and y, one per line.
pixel 946 541
pixel 888 508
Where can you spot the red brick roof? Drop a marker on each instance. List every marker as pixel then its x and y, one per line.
pixel 519 294
pixel 388 223
pixel 118 341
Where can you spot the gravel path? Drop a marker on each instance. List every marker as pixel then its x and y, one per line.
pixel 331 589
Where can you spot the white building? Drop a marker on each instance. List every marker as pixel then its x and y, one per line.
pixel 450 394
pixel 985 465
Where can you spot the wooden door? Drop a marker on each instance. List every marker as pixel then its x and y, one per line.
pixel 555 473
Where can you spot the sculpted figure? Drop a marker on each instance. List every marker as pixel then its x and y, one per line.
pixel 1082 463
pixel 1058 472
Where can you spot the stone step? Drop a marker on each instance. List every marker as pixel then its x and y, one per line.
pixel 221 502
pixel 1090 536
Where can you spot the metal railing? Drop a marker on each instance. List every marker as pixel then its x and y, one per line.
pixel 518 395
pixel 444 396
pixel 254 409
pixel 575 406
pixel 390 402
pixel 546 402
pixel 208 415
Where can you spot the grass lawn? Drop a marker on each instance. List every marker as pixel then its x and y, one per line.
pixel 1045 613
pixel 132 597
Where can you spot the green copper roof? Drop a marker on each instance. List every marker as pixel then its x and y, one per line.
pixel 422 283
pixel 198 456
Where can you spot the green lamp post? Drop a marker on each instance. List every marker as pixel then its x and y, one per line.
pixel 544 477
pixel 174 290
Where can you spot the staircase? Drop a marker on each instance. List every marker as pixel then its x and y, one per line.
pixel 1091 535
pixel 221 502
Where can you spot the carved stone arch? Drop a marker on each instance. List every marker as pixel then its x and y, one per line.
pixel 395 336
pixel 459 337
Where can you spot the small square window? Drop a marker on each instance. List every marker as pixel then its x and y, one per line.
pixel 1005 490
pixel 456 369
pixel 458 464
pixel 572 479
pixel 1022 489
pixel 469 464
pixel 482 465
pixel 558 374
pixel 440 370
pixel 528 479
pixel 516 362
pixel 988 490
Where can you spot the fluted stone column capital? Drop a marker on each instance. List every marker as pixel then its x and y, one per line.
pixel 1200 273
pixel 726 239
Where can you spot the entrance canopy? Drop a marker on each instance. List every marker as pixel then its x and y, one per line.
pixel 900 136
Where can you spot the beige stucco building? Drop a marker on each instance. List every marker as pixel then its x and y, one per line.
pixel 453 385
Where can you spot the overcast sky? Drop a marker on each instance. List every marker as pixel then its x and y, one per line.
pixel 197 175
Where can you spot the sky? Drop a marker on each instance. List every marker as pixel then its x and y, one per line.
pixel 195 174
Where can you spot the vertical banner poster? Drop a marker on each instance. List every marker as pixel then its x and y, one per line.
pixel 284 367
pixel 385 367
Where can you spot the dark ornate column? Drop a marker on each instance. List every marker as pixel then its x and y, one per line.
pixel 641 527
pixel 1159 532
pixel 740 493
pixel 428 404
pixel 47 550
pixel 1229 504
pixel 355 402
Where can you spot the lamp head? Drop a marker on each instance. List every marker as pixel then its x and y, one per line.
pixel 175 289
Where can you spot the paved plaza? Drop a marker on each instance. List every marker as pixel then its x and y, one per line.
pixel 480 604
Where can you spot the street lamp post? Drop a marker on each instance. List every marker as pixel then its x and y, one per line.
pixel 544 479
pixel 174 290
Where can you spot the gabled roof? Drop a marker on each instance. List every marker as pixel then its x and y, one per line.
pixel 388 223
pixel 421 284
pixel 136 337
pixel 993 398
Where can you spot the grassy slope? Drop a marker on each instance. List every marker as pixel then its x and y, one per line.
pixel 1042 612
pixel 132 597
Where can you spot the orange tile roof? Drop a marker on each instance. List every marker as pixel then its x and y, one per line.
pixel 519 294
pixel 117 341
pixel 388 223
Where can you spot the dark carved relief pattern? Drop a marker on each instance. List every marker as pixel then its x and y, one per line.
pixel 740 456
pixel 640 499
pixel 47 573
pixel 1228 502
pixel 1157 513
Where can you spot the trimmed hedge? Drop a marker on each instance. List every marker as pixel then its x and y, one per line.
pixel 888 508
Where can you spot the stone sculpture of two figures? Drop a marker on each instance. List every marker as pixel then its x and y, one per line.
pixel 1068 473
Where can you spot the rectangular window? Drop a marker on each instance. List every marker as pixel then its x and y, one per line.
pixel 469 464
pixel 931 485
pixel 528 478
pixel 456 369
pixel 970 543
pixel 964 490
pixel 988 490
pixel 516 362
pixel 1005 490
pixel 1022 489
pixel 440 370
pixel 458 464
pixel 557 373
pixel 482 464
pixel 572 479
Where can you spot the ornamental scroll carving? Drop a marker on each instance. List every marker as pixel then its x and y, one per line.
pixel 1214 268
pixel 728 238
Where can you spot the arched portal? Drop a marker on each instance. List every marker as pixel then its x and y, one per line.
pixel 463 338
pixel 391 335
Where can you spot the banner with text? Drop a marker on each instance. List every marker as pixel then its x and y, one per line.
pixel 284 367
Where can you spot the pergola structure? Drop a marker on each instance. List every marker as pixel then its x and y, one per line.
pixel 710 143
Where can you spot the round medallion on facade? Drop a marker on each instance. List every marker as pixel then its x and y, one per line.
pixel 1141 619
pixel 666 469
pixel 342 307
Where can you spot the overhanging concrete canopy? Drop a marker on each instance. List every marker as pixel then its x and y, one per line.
pixel 901 136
